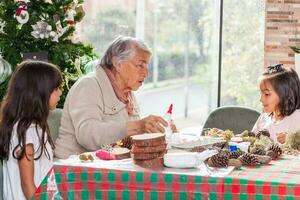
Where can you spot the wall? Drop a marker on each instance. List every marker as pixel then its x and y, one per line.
pixel 282 29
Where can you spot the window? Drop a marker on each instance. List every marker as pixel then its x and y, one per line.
pixel 184 38
pixel 243 50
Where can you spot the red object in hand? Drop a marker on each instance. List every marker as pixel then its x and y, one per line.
pixel 105 155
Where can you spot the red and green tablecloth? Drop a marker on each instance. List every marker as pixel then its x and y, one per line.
pixel 278 180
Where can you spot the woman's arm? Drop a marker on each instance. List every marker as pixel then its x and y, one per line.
pixel 150 124
pixel 26 166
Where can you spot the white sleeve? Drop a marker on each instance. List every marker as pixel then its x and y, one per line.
pixel 257 126
pixel 31 135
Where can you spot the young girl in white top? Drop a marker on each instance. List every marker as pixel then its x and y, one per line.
pixel 280 98
pixel 25 142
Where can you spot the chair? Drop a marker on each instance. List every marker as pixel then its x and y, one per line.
pixel 1 181
pixel 234 118
pixel 54 122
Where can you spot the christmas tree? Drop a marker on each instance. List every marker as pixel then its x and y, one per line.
pixel 45 28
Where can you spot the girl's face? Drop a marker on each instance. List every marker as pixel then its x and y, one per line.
pixel 54 98
pixel 268 97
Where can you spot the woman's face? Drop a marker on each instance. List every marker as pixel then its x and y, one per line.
pixel 134 71
pixel 54 98
pixel 268 97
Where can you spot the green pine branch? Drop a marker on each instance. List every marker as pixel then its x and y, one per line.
pixel 17 38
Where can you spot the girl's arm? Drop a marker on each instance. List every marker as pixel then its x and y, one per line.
pixel 26 166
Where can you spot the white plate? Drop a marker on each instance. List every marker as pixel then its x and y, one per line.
pixel 206 142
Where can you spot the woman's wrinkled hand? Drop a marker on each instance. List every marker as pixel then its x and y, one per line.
pixel 281 137
pixel 173 127
pixel 153 124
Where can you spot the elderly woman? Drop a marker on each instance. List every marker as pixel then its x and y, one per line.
pixel 100 107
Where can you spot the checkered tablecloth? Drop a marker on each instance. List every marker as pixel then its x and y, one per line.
pixel 278 180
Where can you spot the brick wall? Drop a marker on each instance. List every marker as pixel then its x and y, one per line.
pixel 282 29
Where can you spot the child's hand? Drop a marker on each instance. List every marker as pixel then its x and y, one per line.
pixel 281 137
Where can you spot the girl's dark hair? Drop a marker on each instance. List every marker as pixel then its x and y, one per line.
pixel 27 102
pixel 286 84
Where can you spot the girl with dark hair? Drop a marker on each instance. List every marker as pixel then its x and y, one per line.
pixel 25 141
pixel 280 98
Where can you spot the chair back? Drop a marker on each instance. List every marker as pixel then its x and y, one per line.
pixel 234 118
pixel 1 181
pixel 54 122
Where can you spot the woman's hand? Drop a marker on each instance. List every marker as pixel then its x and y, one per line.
pixel 281 137
pixel 173 127
pixel 153 124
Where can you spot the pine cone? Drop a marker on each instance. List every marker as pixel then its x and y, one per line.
pixel 225 152
pixel 126 143
pixel 235 154
pixel 264 132
pixel 198 149
pixel 235 162
pixel 271 154
pixel 248 159
pixel 220 145
pixel 251 134
pixel 258 151
pixel 218 160
pixel 276 149
pixel 263 159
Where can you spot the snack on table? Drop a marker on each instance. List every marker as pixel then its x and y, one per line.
pixel 155 163
pixel 86 157
pixel 148 150
pixel 120 153
pixel 147 156
pixel 150 139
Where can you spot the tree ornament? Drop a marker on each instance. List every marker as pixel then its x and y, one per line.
pixel 80 10
pixel 70 17
pixel 5 69
pixel 22 14
pixel 2 25
pixel 59 29
pixel 71 12
pixel 42 30
pixel 48 1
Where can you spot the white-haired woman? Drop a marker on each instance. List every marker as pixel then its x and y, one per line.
pixel 100 107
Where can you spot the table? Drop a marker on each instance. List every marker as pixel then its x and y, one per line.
pixel 280 179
